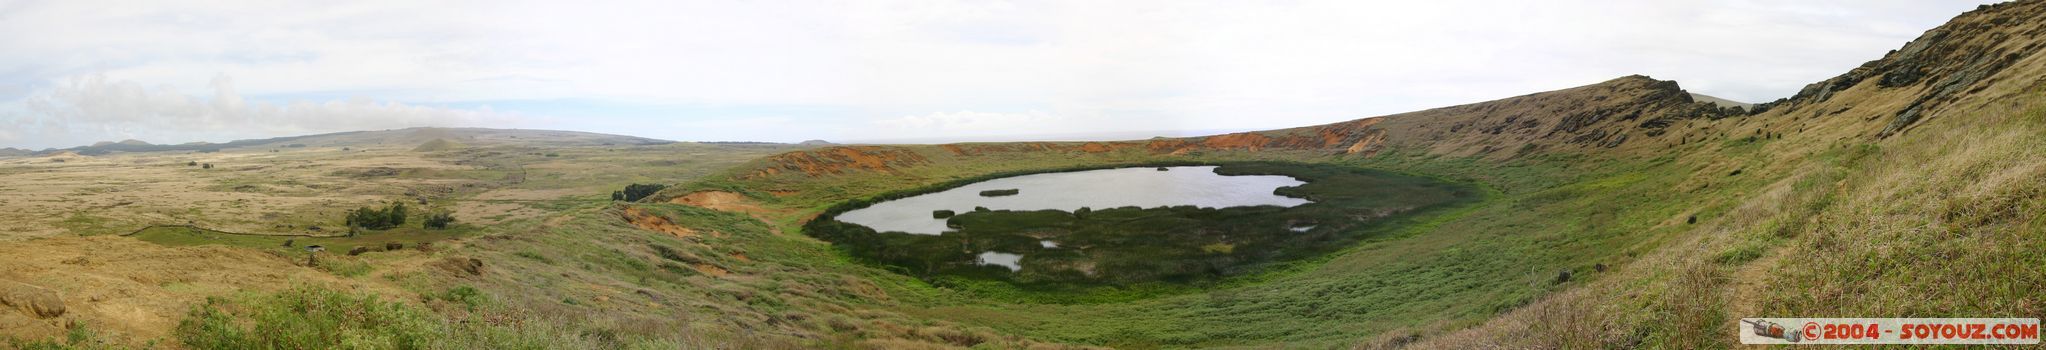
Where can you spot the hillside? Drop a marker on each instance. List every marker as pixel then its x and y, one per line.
pixel 1724 103
pixel 408 137
pixel 1684 211
pixel 1627 213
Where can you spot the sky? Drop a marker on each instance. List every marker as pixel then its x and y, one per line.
pixel 77 72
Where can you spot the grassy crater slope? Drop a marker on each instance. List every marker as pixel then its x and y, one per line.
pixel 1627 213
pixel 1620 214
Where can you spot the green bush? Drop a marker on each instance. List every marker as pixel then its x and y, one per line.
pixel 378 219
pixel 439 220
pixel 78 337
pixel 635 192
pixel 464 295
pixel 307 318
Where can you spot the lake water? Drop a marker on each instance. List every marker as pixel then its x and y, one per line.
pixel 1099 189
pixel 1011 261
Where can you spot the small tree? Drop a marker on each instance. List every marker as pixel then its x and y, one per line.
pixel 439 221
pixel 636 192
pixel 377 219
pixel 395 214
pixel 206 166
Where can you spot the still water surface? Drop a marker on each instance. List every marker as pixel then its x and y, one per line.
pixel 1068 191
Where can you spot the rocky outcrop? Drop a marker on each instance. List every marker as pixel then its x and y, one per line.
pixel 31 300
pixel 652 222
pixel 840 159
pixel 1959 58
pixel 1616 113
pixel 1606 115
pixel 1633 113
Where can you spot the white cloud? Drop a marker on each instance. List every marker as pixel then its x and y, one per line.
pixel 94 106
pixel 972 122
pixel 1151 64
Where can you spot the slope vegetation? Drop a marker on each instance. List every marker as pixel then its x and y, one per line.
pixel 1629 213
pixel 1622 214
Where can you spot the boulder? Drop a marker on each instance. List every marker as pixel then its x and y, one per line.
pixel 463 266
pixel 31 300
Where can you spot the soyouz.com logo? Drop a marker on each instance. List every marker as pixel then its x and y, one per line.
pixel 1889 331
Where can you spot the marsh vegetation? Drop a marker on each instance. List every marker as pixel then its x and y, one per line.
pixel 1060 249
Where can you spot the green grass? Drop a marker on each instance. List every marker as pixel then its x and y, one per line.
pixel 1849 228
pixel 308 318
pixel 84 224
pixel 311 317
pixel 375 240
pixel 1542 215
pixel 77 336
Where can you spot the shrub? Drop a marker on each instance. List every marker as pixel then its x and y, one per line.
pixel 78 336
pixel 465 295
pixel 378 219
pixel 191 163
pixel 439 220
pixel 635 192
pixel 206 166
pixel 307 318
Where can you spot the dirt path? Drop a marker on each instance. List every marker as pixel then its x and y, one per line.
pixel 1750 285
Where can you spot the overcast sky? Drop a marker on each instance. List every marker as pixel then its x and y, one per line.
pixel 76 72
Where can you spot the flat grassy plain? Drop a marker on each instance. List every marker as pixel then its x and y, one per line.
pixel 64 215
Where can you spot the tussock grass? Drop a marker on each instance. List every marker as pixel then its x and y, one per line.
pixel 1943 221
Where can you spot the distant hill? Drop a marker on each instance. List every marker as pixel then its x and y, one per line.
pixel 816 143
pixel 469 137
pixel 437 145
pixel 1722 103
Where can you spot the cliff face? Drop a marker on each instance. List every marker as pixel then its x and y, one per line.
pixel 1963 57
pixel 1981 54
pixel 1605 115
pixel 1619 113
pixel 839 160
